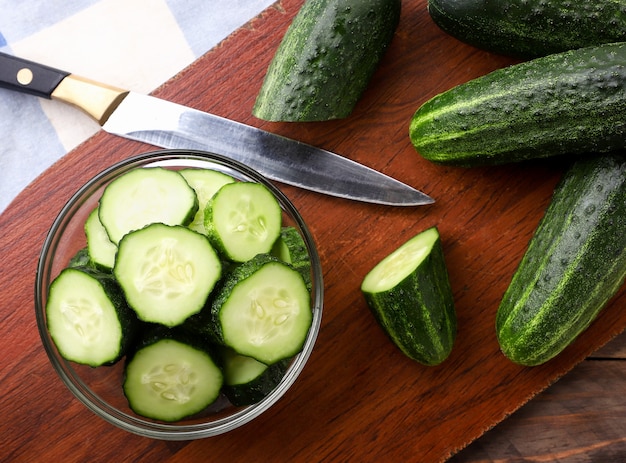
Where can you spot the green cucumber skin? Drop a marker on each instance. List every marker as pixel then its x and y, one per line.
pixel 562 104
pixel 418 314
pixel 326 59
pixel 574 263
pixel 531 28
pixel 257 389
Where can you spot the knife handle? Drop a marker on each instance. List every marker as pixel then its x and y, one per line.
pixel 27 77
pixel 96 99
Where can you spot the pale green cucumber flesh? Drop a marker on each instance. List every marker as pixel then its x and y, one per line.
pixel 263 311
pixel 243 219
pixel 574 263
pixel 291 248
pixel 170 380
pixel 88 322
pixel 248 381
pixel 410 296
pixel 101 249
pixel 166 272
pixel 205 182
pixel 144 196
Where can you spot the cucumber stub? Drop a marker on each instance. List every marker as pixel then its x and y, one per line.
pixel 166 272
pixel 410 296
pixel 88 318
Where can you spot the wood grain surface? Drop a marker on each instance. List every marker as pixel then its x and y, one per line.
pixel 358 399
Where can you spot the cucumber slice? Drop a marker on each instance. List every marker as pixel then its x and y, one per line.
pixel 205 183
pixel 144 196
pixel 291 248
pixel 88 318
pixel 243 219
pixel 263 310
pixel 81 259
pixel 166 272
pixel 101 250
pixel 171 378
pixel 410 296
pixel 248 381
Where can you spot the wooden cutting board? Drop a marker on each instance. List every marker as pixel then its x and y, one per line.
pixel 358 399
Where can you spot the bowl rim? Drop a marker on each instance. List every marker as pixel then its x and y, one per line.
pixel 99 406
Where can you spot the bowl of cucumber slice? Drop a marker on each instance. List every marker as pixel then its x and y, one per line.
pixel 178 294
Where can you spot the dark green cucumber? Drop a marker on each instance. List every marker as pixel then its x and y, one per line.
pixel 171 375
pixel 88 318
pixel 326 59
pixel 575 263
pixel 410 296
pixel 568 103
pixel 248 381
pixel 531 28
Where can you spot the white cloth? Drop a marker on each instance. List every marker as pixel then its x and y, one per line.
pixel 137 45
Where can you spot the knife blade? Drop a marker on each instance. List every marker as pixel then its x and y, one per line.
pixel 166 124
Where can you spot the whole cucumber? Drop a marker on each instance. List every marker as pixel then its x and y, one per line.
pixel 574 264
pixel 531 28
pixel 567 103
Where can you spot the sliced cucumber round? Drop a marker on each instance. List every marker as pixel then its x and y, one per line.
pixel 144 196
pixel 166 272
pixel 101 249
pixel 291 248
pixel 248 381
pixel 171 379
pixel 205 182
pixel 263 310
pixel 87 317
pixel 243 219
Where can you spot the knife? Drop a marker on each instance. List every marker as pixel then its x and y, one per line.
pixel 169 125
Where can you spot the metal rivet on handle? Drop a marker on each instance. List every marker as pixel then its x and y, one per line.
pixel 24 76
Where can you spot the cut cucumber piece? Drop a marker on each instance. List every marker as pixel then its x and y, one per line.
pixel 291 248
pixel 410 296
pixel 171 378
pixel 166 272
pixel 205 183
pixel 248 381
pixel 88 318
pixel 81 259
pixel 243 219
pixel 144 196
pixel 263 310
pixel 101 250
pixel 326 59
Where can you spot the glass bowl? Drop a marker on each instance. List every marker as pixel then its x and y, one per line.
pixel 100 389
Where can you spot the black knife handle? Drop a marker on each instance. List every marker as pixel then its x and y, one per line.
pixel 27 77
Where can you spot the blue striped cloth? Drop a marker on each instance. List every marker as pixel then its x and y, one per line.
pixel 136 44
